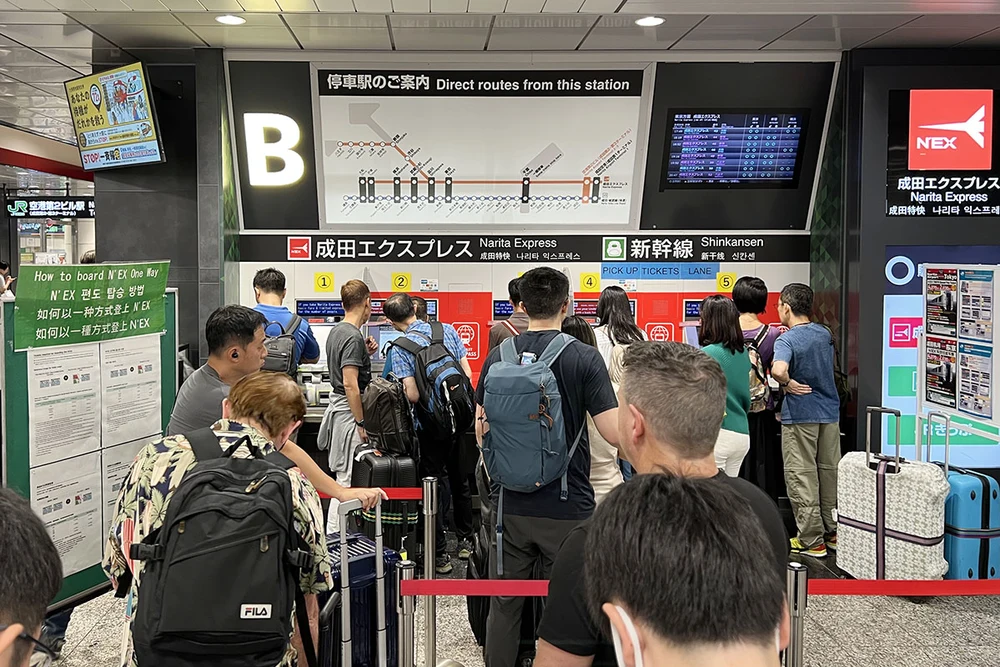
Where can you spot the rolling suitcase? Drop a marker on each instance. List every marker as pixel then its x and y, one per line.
pixel 972 526
pixel 359 620
pixel 376 469
pixel 891 513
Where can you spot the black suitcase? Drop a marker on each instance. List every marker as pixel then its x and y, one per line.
pixel 375 469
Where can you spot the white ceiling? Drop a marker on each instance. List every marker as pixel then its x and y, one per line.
pixel 46 42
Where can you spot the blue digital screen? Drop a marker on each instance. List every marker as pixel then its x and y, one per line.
pixel 692 309
pixel 502 309
pixel 319 308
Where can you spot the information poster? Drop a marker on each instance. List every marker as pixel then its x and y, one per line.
pixel 64 403
pixel 116 462
pixel 67 495
pixel 941 366
pixel 975 387
pixel 66 305
pixel 976 308
pixel 130 376
pixel 942 288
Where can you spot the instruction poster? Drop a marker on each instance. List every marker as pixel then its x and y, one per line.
pixel 64 403
pixel 975 387
pixel 976 308
pixel 67 495
pixel 130 374
pixel 942 288
pixel 116 462
pixel 941 366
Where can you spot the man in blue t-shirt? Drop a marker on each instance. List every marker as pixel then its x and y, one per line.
pixel 810 420
pixel 269 289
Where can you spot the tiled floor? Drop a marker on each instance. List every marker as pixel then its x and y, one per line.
pixel 840 632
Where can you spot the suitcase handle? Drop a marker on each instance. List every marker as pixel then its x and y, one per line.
pixel 346 650
pixel 931 417
pixel 878 409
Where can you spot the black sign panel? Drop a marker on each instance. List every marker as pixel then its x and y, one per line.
pixel 482 83
pixel 281 194
pixel 934 193
pixel 673 248
pixel 50 207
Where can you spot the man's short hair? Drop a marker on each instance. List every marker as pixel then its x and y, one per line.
pixel 30 569
pixel 544 291
pixel 681 392
pixel 273 400
pixel 232 325
pixel 398 307
pixel 701 573
pixel 270 281
pixel 354 293
pixel 419 307
pixel 89 257
pixel 514 291
pixel 750 295
pixel 799 298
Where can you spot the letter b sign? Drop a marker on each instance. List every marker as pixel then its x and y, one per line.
pixel 259 149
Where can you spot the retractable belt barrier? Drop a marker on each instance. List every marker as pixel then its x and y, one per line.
pixel 414 493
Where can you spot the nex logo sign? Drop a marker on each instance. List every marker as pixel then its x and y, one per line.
pixel 951 130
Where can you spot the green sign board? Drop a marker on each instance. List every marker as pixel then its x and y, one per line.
pixel 68 305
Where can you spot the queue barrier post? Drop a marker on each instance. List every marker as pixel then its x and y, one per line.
pixel 430 552
pixel 406 605
pixel 796 589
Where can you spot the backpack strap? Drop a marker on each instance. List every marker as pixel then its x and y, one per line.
pixel 761 335
pixel 280 460
pixel 205 444
pixel 508 351
pixel 405 343
pixel 564 484
pixel 293 325
pixel 510 327
pixel 437 332
pixel 555 348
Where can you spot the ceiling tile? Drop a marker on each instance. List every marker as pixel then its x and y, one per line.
pixel 562 6
pixel 970 20
pixel 207 19
pixel 539 33
pixel 18 55
pixel 7 7
pixel 871 21
pixel 222 5
pixel 297 5
pixel 151 36
pixel 989 39
pixel 487 6
pixel 822 39
pixel 374 6
pixel 246 37
pixel 260 5
pixel 69 35
pixel 335 5
pixel 29 74
pixel 32 5
pixel 524 6
pixel 465 32
pixel 411 6
pixel 33 18
pixel 449 6
pixel 71 5
pixel 753 22
pixel 145 5
pixel 621 32
pixel 600 6
pixel 336 20
pixel 183 5
pixel 109 5
pixel 942 37
pixel 440 22
pixel 346 39
pixel 126 18
pixel 76 57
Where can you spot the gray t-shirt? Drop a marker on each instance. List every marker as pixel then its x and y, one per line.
pixel 199 402
pixel 345 346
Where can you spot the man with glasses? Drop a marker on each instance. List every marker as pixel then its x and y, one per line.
pixel 30 577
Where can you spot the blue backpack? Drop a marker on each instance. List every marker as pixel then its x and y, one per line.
pixel 526 447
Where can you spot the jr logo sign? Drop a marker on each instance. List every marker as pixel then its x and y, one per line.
pixel 951 130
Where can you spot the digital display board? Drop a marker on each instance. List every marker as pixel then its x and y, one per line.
pixel 941 145
pixel 759 148
pixel 331 308
pixel 692 310
pixel 502 309
pixel 588 307
pixel 114 120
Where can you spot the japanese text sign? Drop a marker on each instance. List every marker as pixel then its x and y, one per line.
pixel 68 305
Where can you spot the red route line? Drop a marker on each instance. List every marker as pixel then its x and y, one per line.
pixel 412 163
pixel 536 588
pixel 404 181
pixel 395 494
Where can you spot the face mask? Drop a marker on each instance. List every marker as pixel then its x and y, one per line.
pixel 633 637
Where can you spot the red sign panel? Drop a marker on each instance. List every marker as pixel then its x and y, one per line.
pixel 951 130
pixel 300 248
pixel 903 331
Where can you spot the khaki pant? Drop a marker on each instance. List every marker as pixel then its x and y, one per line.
pixel 811 453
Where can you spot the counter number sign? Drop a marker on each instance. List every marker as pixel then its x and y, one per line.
pixel 323 282
pixel 590 282
pixel 724 282
pixel 401 282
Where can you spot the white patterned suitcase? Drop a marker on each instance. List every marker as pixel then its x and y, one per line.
pixel 890 513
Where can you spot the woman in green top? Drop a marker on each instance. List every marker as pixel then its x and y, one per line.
pixel 721 338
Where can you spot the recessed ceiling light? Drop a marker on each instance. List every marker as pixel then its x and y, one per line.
pixel 229 19
pixel 649 21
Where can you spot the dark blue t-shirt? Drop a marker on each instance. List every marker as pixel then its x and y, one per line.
pixel 808 351
pixel 585 387
pixel 306 346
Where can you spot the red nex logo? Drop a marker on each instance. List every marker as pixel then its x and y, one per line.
pixel 300 248
pixel 951 130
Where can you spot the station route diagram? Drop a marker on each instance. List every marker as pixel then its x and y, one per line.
pixel 478 160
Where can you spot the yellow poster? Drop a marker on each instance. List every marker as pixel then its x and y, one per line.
pixel 113 118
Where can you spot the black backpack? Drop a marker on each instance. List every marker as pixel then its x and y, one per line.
pixel 446 394
pixel 281 348
pixel 222 573
pixel 388 421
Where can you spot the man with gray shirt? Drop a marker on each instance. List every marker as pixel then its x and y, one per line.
pixel 348 357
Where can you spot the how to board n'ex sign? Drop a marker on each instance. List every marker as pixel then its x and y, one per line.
pixel 941 145
pixel 474 83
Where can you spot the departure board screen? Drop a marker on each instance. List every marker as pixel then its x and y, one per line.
pixel 760 148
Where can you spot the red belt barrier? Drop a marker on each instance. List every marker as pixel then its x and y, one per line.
pixel 536 588
pixel 409 493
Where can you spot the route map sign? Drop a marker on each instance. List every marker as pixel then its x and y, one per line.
pixel 540 146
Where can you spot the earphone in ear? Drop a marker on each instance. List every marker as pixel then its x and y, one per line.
pixel 236 355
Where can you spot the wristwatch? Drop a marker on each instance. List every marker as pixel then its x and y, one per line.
pixel 359 424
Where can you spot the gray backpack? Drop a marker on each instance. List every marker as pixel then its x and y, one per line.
pixel 281 348
pixel 526 447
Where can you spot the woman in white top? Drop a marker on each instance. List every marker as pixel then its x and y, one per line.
pixel 604 471
pixel 616 323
